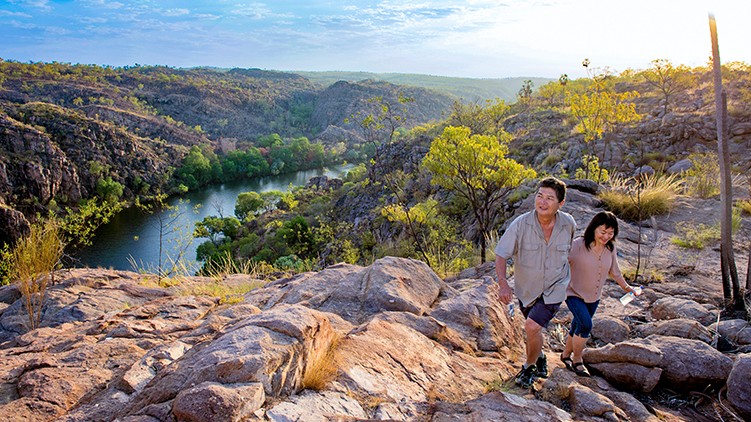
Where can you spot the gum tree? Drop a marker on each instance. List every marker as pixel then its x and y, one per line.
pixel 475 168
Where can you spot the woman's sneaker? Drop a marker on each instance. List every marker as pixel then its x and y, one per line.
pixel 542 366
pixel 526 377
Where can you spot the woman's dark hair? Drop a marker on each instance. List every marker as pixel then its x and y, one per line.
pixel 602 218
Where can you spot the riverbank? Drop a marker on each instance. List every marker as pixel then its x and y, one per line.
pixel 134 238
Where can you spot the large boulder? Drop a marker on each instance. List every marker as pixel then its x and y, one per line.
pixel 673 308
pixel 628 375
pixel 627 364
pixel 586 402
pixel 680 327
pixel 739 387
pixel 476 312
pixel 356 293
pixel 689 364
pixel 625 352
pixel 271 348
pixel 737 331
pixel 609 330
pixel 386 360
pixel 210 401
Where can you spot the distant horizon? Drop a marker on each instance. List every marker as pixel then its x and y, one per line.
pixel 8 59
pixel 479 39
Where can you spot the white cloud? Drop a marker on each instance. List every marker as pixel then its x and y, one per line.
pixel 15 14
pixel 176 12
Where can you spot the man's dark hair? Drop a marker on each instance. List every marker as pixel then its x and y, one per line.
pixel 602 218
pixel 557 185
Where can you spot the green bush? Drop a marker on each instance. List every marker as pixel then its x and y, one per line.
pixel 695 236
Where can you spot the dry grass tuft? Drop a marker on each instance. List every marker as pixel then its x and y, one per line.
pixel 34 259
pixel 322 366
pixel 641 197
pixel 228 294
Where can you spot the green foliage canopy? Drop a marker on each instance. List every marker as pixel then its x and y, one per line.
pixel 475 167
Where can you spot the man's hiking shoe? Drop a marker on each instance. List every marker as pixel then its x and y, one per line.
pixel 526 377
pixel 542 366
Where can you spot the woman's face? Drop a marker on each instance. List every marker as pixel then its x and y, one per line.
pixel 603 234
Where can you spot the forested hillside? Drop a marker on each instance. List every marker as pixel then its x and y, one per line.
pixel 72 133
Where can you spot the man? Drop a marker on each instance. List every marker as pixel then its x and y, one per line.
pixel 539 242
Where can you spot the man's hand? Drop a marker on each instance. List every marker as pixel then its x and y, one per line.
pixel 504 292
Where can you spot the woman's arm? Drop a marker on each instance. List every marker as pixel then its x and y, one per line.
pixel 615 273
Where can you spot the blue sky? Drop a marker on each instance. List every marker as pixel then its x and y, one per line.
pixel 474 38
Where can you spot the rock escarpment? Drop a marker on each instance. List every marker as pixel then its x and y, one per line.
pixel 114 346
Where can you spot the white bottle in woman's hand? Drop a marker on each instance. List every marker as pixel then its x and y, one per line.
pixel 628 297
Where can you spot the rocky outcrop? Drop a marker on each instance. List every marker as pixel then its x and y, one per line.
pixel 114 345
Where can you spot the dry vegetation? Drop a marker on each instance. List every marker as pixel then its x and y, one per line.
pixel 322 366
pixel 33 262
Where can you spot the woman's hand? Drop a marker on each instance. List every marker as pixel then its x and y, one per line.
pixel 629 289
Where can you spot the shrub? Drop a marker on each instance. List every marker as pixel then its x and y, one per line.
pixel 695 236
pixel 745 206
pixel 6 263
pixel 703 178
pixel 33 262
pixel 592 170
pixel 641 197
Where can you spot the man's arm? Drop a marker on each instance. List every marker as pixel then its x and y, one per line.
pixel 505 292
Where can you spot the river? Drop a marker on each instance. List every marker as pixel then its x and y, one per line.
pixel 132 236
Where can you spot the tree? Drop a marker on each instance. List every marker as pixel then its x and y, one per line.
pixel 525 93
pixel 481 119
pixel 601 111
pixel 413 218
pixel 109 190
pixel 381 127
pixel 727 258
pixel 475 167
pixel 195 170
pixel 248 203
pixel 668 79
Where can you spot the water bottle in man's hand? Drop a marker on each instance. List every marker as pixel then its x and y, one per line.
pixel 628 297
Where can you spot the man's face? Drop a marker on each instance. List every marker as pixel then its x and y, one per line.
pixel 546 202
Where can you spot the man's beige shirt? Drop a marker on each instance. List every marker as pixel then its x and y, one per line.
pixel 540 268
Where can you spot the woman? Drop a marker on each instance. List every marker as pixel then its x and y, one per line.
pixel 592 258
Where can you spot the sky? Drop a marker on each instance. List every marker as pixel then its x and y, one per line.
pixel 473 38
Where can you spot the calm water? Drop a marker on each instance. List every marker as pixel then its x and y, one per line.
pixel 133 236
